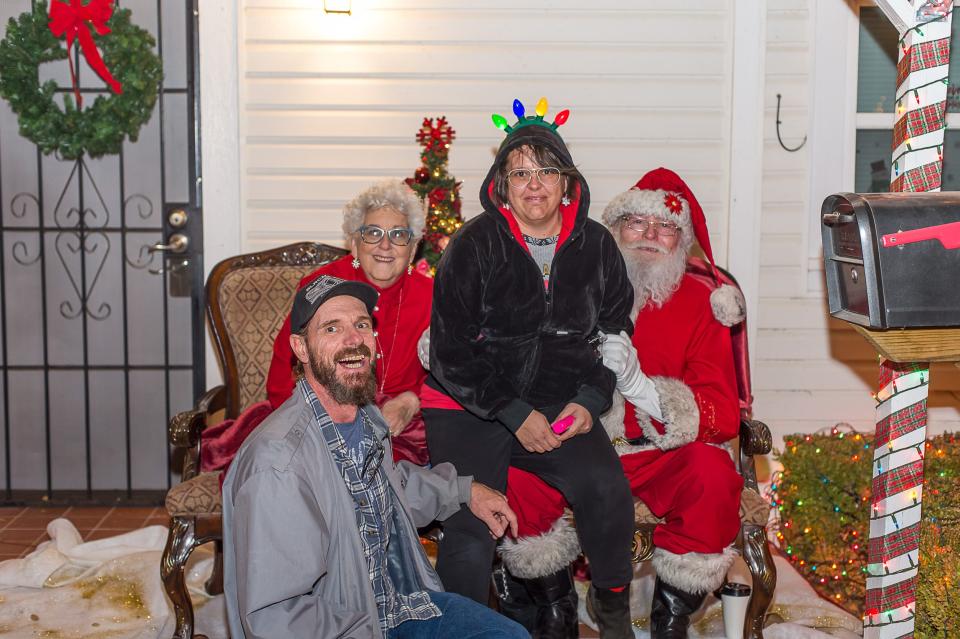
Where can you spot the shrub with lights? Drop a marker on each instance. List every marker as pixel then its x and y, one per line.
pixel 823 499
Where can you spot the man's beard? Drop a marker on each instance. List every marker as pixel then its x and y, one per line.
pixel 361 387
pixel 655 277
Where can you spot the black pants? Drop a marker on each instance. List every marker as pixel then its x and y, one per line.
pixel 585 469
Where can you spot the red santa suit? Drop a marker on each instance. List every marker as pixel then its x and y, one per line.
pixel 681 471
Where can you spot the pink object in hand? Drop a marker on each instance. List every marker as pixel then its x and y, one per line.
pixel 560 426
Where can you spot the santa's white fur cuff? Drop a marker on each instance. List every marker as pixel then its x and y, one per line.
pixel 612 421
pixel 541 555
pixel 693 572
pixel 681 416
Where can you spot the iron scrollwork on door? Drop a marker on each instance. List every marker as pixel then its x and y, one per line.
pixel 81 231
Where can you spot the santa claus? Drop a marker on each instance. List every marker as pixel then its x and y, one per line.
pixel 677 403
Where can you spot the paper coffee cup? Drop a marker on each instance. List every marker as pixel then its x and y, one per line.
pixel 735 598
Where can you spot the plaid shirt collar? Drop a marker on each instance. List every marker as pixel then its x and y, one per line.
pixel 372 443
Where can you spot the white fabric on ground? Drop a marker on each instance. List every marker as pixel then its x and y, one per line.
pixel 111 587
pixel 105 588
pixel 798 611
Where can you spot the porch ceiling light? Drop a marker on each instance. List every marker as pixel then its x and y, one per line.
pixel 337 6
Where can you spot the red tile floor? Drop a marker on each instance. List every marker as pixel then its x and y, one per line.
pixel 22 528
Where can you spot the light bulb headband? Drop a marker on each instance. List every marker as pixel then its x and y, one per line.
pixel 530 120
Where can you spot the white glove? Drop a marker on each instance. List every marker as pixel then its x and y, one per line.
pixel 620 356
pixel 423 349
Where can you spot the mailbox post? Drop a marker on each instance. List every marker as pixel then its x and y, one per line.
pixel 892 262
pixel 918 134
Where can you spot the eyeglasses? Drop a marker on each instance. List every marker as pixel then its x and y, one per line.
pixel 548 176
pixel 398 235
pixel 641 224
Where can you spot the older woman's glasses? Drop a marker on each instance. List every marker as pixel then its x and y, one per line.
pixel 641 224
pixel 398 236
pixel 548 176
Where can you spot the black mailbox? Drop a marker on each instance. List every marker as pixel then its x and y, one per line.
pixel 892 260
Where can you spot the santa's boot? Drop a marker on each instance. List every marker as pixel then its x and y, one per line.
pixel 672 607
pixel 556 602
pixel 515 602
pixel 683 580
pixel 611 610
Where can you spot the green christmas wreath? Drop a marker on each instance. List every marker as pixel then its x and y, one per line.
pixel 72 132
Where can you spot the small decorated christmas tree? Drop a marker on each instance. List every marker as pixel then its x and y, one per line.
pixel 439 191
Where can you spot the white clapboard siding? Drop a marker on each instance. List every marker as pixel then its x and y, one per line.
pixel 831 374
pixel 330 104
pixel 781 249
pixel 831 407
pixel 337 126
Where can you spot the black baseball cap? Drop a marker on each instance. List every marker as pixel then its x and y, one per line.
pixel 313 295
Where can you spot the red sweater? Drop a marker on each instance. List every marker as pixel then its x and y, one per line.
pixel 400 317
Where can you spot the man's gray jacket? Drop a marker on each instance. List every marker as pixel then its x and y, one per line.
pixel 293 557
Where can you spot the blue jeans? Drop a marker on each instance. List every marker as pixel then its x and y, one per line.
pixel 462 618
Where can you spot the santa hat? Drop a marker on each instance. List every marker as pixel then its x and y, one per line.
pixel 662 194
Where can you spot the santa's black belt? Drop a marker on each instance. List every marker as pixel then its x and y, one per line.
pixel 643 440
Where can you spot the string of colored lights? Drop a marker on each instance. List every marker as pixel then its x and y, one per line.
pixel 826 474
pixel 917 27
pixel 901 416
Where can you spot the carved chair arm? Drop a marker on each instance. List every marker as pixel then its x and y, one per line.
pixel 185 427
pixel 755 437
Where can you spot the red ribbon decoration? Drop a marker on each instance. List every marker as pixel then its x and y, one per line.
pixel 74 21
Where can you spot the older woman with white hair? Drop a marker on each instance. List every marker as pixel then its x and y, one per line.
pixel 382 225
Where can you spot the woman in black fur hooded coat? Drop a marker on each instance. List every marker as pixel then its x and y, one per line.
pixel 521 295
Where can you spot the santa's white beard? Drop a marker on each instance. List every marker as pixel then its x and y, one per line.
pixel 655 276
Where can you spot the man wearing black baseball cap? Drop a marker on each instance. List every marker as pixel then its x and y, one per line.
pixel 319 524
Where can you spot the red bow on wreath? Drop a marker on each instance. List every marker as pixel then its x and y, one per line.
pixel 74 21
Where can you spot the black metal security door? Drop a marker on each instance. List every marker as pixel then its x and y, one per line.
pixel 101 322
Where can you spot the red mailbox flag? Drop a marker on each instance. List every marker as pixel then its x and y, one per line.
pixel 947 234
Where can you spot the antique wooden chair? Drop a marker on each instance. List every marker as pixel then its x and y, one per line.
pixel 248 297
pixel 754 439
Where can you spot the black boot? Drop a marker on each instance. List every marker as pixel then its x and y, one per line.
pixel 672 607
pixel 611 611
pixel 556 602
pixel 514 600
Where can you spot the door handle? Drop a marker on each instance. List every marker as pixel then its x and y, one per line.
pixel 178 244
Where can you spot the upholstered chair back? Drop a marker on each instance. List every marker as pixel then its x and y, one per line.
pixel 248 298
